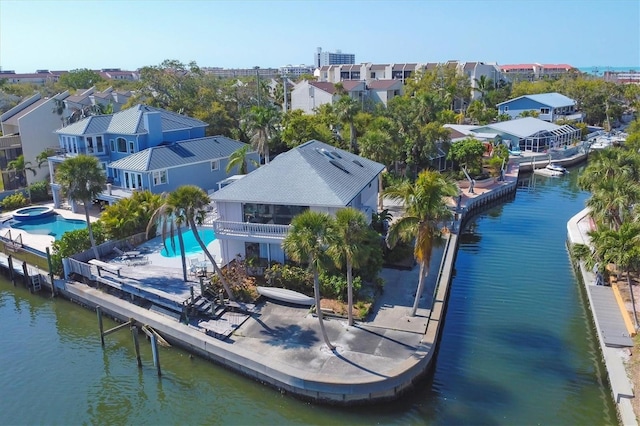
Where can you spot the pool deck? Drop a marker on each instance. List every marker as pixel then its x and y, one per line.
pixel 36 241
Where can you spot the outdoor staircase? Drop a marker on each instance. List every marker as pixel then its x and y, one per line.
pixel 206 307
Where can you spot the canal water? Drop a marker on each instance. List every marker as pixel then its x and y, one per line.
pixel 517 347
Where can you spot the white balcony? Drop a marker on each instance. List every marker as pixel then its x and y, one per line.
pixel 241 230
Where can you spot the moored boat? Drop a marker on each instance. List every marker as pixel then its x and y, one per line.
pixel 555 167
pixel 285 295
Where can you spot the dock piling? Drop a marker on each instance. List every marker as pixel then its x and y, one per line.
pixel 136 344
pixel 99 312
pixel 12 274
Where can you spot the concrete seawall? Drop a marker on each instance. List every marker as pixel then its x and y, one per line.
pixel 347 377
pixel 621 387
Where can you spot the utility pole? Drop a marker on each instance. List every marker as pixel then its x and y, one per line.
pixel 286 101
pixel 258 82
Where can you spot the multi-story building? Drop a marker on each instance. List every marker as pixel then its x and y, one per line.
pixel 146 148
pixel 333 58
pixel 294 71
pixel 38 77
pixel 242 72
pixel 532 72
pixel 622 77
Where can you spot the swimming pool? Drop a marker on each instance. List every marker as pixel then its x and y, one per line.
pixel 54 225
pixel 191 246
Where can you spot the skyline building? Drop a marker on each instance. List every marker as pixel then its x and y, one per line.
pixel 333 58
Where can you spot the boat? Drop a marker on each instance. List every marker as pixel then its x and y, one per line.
pixel 286 295
pixel 555 167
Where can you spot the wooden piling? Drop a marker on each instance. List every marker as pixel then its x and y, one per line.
pixel 136 344
pixel 26 280
pixel 11 271
pixel 99 312
pixel 50 264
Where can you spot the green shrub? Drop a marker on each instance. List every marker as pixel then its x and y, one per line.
pixel 335 286
pixel 290 277
pixel 14 201
pixel 73 242
pixel 39 191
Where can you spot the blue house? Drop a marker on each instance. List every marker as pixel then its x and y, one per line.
pixel 550 107
pixel 164 168
pixel 136 132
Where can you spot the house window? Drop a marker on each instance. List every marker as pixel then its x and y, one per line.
pixel 103 164
pixel 99 149
pixel 131 150
pixel 159 177
pixel 215 165
pixel 122 145
pixel 89 140
pixel 132 180
pixel 113 145
pixel 544 110
pixel 506 108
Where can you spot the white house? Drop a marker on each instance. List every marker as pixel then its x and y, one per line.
pixel 255 212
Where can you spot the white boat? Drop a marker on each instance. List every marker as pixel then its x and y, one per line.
pixel 285 295
pixel 555 167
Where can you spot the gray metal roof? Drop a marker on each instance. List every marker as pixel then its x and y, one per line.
pixel 554 100
pixel 520 127
pixel 312 174
pixel 129 122
pixel 179 154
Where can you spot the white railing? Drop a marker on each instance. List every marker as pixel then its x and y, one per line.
pixel 267 230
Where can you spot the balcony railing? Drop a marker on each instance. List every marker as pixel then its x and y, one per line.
pixel 245 229
pixel 10 141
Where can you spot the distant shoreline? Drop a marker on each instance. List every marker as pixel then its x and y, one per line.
pixel 599 70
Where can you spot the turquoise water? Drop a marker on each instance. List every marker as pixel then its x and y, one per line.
pixel 599 70
pixel 517 347
pixel 33 211
pixel 54 225
pixel 191 246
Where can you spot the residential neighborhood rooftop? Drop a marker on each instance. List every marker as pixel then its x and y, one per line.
pixel 312 174
pixel 178 153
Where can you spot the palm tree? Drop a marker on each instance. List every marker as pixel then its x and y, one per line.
pixel 44 156
pixel 622 247
pixel 261 122
pixel 612 199
pixel 81 179
pixel 348 246
pixel 483 85
pixel 20 167
pixel 307 241
pixel 346 109
pixel 189 202
pixel 239 159
pixel 170 222
pixel 425 210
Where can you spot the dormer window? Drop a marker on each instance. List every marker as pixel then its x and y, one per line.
pixel 121 144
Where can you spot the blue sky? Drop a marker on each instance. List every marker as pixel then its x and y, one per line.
pixel 60 35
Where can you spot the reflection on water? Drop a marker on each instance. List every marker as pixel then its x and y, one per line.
pixel 517 347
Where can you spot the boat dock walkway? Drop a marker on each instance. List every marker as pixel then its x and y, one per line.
pixel 610 325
